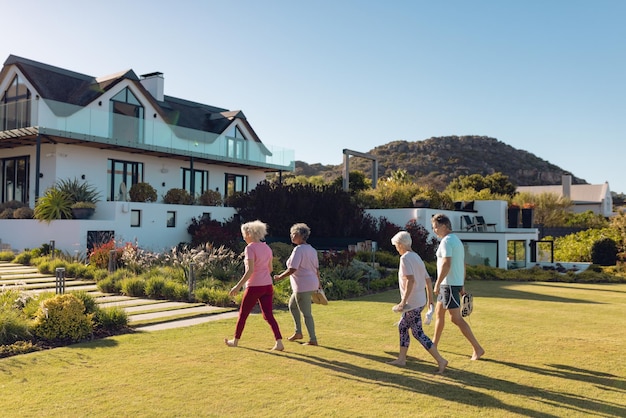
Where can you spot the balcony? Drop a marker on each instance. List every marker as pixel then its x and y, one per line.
pixel 64 123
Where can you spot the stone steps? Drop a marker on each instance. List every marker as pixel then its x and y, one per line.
pixel 143 314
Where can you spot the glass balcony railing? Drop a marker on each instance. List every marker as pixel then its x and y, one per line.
pixel 96 125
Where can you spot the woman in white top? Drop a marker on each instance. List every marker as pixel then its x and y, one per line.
pixel 415 290
pixel 303 269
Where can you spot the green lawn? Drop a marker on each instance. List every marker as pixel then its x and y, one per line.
pixel 553 350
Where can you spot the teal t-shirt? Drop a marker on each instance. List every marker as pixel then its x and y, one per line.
pixel 451 246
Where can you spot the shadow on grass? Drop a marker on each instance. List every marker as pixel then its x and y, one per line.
pixel 575 403
pixel 460 386
pixel 455 385
pixel 502 290
pixel 489 289
pixel 606 288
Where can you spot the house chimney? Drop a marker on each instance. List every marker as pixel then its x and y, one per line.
pixel 154 83
pixel 567 185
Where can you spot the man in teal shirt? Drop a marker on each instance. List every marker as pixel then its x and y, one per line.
pixel 450 282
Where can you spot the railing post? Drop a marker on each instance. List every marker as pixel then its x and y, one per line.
pixel 52 249
pixel 59 281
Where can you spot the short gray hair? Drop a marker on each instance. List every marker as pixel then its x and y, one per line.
pixel 402 238
pixel 257 230
pixel 302 230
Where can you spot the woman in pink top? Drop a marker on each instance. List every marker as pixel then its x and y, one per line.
pixel 303 269
pixel 258 279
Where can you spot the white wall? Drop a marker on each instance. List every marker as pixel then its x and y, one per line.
pixel 71 235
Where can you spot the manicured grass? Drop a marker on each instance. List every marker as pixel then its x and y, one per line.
pixel 553 349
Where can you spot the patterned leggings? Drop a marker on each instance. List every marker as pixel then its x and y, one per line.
pixel 413 320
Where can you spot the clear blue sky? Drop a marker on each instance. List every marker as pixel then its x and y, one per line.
pixel 545 76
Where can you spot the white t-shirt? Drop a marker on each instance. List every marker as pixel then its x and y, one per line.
pixel 304 259
pixel 411 264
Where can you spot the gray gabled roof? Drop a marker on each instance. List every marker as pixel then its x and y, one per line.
pixel 70 87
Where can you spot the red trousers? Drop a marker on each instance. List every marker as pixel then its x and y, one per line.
pixel 264 295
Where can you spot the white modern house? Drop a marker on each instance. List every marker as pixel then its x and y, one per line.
pixel 113 132
pixel 594 197
pixel 496 243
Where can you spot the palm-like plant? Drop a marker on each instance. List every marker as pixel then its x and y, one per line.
pixel 78 191
pixel 54 204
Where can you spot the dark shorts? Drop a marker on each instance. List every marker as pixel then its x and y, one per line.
pixel 450 296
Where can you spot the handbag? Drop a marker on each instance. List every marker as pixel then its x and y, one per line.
pixel 467 304
pixel 319 297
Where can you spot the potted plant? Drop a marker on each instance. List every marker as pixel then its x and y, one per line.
pixel 527 215
pixel 82 195
pixel 83 210
pixel 142 192
pixel 178 197
pixel 513 215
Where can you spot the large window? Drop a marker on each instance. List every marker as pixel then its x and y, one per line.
pixel 15 179
pixel 236 183
pixel 126 116
pixel 121 175
pixel 15 106
pixel 481 253
pixel 201 181
pixel 236 144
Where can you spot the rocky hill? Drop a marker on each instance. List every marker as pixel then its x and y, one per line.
pixel 436 161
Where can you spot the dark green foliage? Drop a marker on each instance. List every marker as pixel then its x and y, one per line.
pixel 328 211
pixel 142 192
pixel 604 252
pixel 356 182
pixel 206 230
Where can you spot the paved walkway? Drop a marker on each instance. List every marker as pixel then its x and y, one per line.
pixel 147 314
